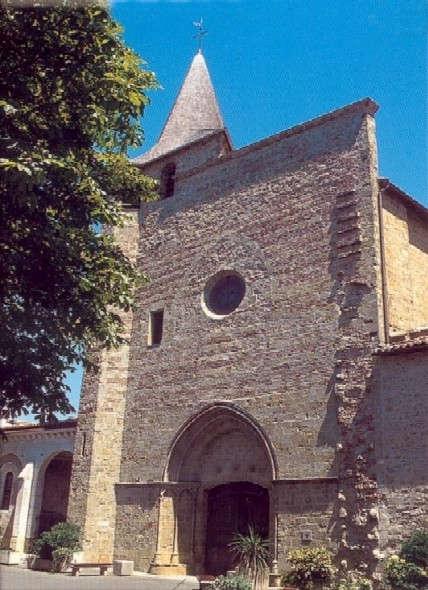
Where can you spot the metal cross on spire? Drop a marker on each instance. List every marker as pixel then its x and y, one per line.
pixel 201 32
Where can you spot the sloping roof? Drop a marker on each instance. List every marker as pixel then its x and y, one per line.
pixel 409 342
pixel 195 113
pixel 385 184
pixel 68 423
pixel 406 346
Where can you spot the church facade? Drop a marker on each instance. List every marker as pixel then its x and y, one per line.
pixel 276 373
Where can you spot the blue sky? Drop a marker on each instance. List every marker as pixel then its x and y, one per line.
pixel 278 63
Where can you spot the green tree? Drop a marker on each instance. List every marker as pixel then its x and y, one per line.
pixel 71 98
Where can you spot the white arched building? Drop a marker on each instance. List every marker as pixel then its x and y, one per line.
pixel 35 468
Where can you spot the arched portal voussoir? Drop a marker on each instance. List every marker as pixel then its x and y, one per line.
pixel 221 443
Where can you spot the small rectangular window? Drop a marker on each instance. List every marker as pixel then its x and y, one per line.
pixel 83 450
pixel 167 181
pixel 155 327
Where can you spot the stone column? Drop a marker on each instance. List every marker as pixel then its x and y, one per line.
pixel 22 507
pixel 36 499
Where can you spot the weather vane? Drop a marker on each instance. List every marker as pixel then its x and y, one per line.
pixel 201 32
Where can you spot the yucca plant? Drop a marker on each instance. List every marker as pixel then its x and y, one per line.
pixel 252 554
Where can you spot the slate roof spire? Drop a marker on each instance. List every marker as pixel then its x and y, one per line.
pixel 195 113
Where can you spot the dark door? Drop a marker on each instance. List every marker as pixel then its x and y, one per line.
pixel 232 509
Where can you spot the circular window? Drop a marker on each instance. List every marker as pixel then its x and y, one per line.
pixel 224 292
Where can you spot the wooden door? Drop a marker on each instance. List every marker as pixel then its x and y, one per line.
pixel 232 509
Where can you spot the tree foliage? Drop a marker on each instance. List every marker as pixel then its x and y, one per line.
pixel 71 98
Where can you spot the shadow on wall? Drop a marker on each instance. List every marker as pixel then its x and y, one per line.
pixel 328 435
pixel 56 485
pixel 348 295
pixel 145 496
pixel 400 410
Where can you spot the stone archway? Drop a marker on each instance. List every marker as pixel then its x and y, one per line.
pixel 54 497
pixel 220 455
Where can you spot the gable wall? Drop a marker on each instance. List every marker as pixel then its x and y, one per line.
pixel 406 263
pixel 206 151
pixel 296 217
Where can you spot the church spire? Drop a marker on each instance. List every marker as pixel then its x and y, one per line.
pixel 195 113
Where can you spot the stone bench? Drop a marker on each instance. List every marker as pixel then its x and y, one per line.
pixel 76 567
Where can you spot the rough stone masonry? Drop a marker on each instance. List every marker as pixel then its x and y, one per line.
pixel 276 373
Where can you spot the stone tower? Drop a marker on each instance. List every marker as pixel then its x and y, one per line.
pixel 252 391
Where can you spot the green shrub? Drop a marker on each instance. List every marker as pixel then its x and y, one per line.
pixel 404 575
pixel 415 549
pixel 63 535
pixel 309 567
pixel 235 582
pixel 354 581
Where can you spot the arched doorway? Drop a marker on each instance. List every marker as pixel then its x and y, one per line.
pixel 219 470
pixel 56 485
pixel 233 508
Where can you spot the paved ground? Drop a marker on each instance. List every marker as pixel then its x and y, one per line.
pixel 15 578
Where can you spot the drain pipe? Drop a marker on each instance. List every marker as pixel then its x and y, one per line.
pixel 386 184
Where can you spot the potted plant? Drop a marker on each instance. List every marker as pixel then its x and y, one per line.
pixel 310 568
pixel 57 545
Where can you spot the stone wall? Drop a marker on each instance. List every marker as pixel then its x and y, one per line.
pixel 401 411
pixel 296 216
pixel 406 263
pixel 202 153
pixel 98 443
pixel 305 514
pixel 137 522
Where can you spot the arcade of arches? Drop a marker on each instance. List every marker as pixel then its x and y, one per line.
pixel 211 493
pixel 56 484
pixel 35 471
